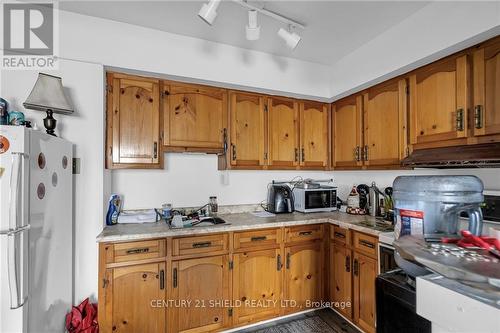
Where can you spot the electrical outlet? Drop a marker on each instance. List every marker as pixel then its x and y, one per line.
pixel 76 166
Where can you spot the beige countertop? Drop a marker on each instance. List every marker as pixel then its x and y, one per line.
pixel 234 222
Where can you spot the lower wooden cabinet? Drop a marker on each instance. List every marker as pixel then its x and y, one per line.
pixel 364 274
pixel 203 284
pixel 303 275
pixel 257 285
pixel 133 299
pixel 340 278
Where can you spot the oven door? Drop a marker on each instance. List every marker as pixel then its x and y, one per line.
pixel 386 260
pixel 319 200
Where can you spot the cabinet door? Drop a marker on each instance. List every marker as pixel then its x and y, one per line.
pixel 303 282
pixel 385 124
pixel 438 104
pixel 133 122
pixel 283 135
pixel 199 283
pixel 247 130
pixel 257 278
pixel 195 117
pixel 347 125
pixel 313 135
pixel 340 278
pixel 134 299
pixel 486 69
pixel 364 272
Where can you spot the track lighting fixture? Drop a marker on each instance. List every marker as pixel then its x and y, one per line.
pixel 252 29
pixel 291 38
pixel 208 11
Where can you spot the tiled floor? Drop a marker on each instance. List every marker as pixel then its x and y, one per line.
pixel 319 321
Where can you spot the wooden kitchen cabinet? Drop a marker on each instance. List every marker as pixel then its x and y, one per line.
pixel 283 133
pixel 313 135
pixel 247 127
pixel 439 100
pixel 486 91
pixel 364 274
pixel 347 132
pixel 201 282
pixel 257 284
pixel 133 122
pixel 303 275
pixel 385 119
pixel 194 117
pixel 340 278
pixel 133 298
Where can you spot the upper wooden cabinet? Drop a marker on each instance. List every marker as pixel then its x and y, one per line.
pixel 194 117
pixel 133 122
pixel 385 119
pixel 247 127
pixel 347 132
pixel 486 79
pixel 283 129
pixel 439 99
pixel 313 135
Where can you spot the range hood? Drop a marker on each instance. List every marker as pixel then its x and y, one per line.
pixel 469 156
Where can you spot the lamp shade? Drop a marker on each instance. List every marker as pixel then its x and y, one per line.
pixel 48 94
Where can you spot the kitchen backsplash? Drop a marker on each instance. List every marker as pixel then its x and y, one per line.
pixel 189 179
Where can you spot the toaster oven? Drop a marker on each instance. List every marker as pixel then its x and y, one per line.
pixel 310 200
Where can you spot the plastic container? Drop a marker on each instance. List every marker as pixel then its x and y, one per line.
pixel 430 205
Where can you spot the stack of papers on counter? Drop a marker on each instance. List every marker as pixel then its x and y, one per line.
pixel 138 216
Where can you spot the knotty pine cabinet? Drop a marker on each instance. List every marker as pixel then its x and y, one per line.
pixel 364 272
pixel 283 133
pixel 303 275
pixel 247 130
pixel 257 284
pixel 439 100
pixel 348 132
pixel 194 117
pixel 201 282
pixel 314 143
pixel 340 278
pixel 133 122
pixel 486 92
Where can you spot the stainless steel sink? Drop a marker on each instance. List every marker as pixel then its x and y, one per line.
pixel 378 225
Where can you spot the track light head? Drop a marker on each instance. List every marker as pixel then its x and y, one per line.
pixel 208 11
pixel 252 29
pixel 291 38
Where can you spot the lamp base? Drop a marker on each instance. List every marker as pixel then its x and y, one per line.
pixel 50 123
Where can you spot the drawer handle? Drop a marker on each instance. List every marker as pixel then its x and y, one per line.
pixel 338 234
pixel 305 233
pixel 366 243
pixel 259 238
pixel 138 250
pixel 201 244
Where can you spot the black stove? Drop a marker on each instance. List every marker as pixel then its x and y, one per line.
pixel 397 304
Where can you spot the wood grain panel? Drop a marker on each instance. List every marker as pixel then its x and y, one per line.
pixel 283 133
pixel 313 135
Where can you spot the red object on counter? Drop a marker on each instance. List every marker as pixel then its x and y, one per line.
pixel 470 240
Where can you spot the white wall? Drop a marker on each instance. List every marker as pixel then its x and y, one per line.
pixel 85 128
pixel 188 180
pixel 437 30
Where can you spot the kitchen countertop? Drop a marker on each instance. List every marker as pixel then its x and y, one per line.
pixel 234 222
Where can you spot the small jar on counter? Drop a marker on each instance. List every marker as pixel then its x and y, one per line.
pixel 213 207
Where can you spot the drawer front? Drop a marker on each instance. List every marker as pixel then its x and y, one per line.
pixel 365 244
pixel 303 233
pixel 340 235
pixel 257 238
pixel 131 251
pixel 200 244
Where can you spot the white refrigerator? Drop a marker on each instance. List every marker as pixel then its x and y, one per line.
pixel 36 231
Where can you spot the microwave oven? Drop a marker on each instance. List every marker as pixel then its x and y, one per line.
pixel 310 200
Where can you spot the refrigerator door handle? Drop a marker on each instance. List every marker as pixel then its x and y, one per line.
pixel 16 267
pixel 15 187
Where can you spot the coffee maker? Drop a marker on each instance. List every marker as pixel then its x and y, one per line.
pixel 279 199
pixel 431 205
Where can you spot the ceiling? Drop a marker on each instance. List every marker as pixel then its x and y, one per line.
pixel 333 28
